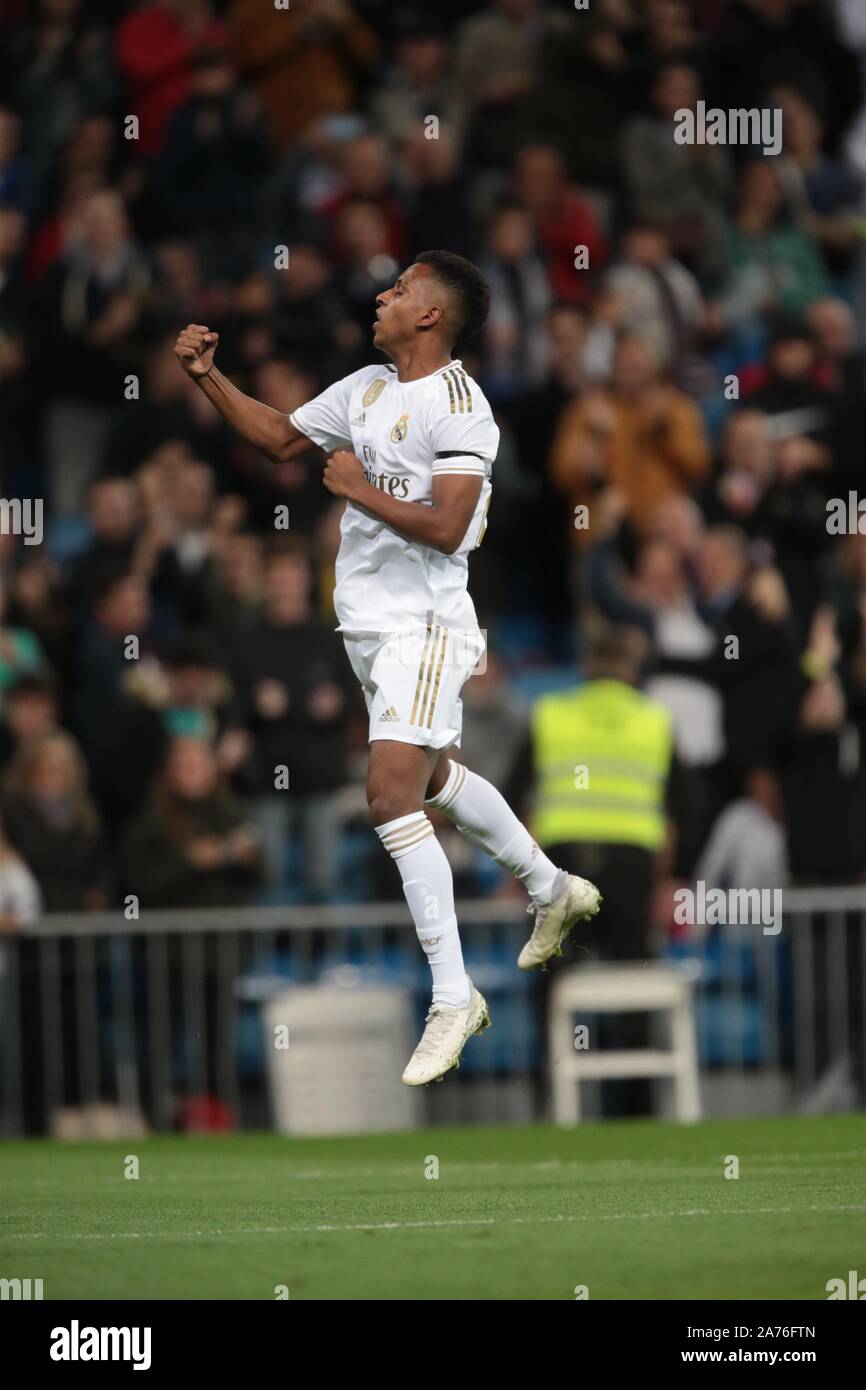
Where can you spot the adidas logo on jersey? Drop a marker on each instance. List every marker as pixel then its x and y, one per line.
pixel 390 716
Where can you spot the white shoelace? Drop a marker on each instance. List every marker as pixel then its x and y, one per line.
pixel 432 1034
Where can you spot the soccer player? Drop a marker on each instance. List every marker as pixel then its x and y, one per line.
pixel 410 445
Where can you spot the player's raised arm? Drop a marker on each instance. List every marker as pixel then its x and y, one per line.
pixel 262 426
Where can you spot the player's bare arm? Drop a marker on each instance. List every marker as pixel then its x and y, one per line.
pixel 442 524
pixel 265 428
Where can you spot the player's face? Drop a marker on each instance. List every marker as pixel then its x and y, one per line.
pixel 400 309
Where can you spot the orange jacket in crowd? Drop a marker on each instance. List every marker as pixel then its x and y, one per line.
pixel 301 62
pixel 648 448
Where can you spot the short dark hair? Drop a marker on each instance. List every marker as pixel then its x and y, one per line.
pixel 110 579
pixel 614 651
pixel 469 286
pixel 192 648
pixel 294 548
pixel 37 683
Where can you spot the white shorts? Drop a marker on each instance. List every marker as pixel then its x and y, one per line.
pixel 412 681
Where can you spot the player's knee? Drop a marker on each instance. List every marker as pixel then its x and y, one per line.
pixel 387 801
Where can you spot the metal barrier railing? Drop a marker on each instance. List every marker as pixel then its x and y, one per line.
pixel 154 1015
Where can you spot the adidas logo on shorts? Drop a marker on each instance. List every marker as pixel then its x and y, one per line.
pixel 390 716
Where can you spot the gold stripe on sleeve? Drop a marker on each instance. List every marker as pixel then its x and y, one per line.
pixel 456 376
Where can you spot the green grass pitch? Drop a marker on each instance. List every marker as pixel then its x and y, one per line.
pixel 628 1209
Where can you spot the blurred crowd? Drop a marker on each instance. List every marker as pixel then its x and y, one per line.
pixel 675 356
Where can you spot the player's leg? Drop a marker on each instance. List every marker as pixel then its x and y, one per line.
pixel 398 777
pixel 557 900
pixel 483 815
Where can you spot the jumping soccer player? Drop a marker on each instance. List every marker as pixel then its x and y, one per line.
pixel 411 446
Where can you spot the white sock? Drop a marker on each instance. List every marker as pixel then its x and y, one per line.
pixel 484 816
pixel 429 887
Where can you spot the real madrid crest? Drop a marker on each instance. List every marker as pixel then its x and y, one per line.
pixel 374 391
pixel 400 430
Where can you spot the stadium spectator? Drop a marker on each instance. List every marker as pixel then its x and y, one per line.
pixel 15 178
pixel 20 899
pixel 746 474
pixel 17 401
pixel 824 781
pixel 187 693
pixel 498 66
pixel 828 191
pixel 126 534
pixel 643 437
pixel 757 670
pixel 52 823
pixel 746 847
pixel 296 693
pixel 589 91
pixel 166 413
pixel 436 192
pixel 304 63
pixel 156 47
pixel 232 588
pixel 31 710
pixel 60 69
pixel 773 265
pixel 568 230
pixel 651 295
pixel 193 844
pixel 516 345
pixel 768 43
pixel 786 388
pixel 94 299
pixel 119 635
pixel 20 652
pixel 310 319
pixel 363 249
pixel 419 82
pixel 680 188
pixel 833 327
pixel 367 175
pixel 207 178
pixel 659 600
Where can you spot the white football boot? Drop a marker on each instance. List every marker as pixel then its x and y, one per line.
pixel 446 1034
pixel 578 901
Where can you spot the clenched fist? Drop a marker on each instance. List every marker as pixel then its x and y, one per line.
pixel 195 348
pixel 344 474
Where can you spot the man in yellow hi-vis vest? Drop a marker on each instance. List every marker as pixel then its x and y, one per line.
pixel 602 759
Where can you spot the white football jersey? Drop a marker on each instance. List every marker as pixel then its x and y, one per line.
pixel 404 433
